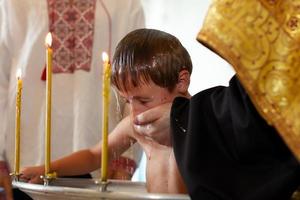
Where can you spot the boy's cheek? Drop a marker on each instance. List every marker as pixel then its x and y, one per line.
pixel 137 108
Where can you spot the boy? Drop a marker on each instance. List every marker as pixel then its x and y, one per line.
pixel 149 68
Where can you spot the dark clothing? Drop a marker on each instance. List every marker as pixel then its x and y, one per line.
pixel 20 195
pixel 225 150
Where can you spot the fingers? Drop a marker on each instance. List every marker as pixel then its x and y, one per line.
pixel 146 117
pixel 152 114
pixel 155 124
pixel 142 139
pixel 147 129
pixel 32 179
pixel 25 175
pixel 32 174
pixel 35 180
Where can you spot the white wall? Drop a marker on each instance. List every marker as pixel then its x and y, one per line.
pixel 183 18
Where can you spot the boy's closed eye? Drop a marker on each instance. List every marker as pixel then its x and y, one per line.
pixel 144 101
pixel 140 100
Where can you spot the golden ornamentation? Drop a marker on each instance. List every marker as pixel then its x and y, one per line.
pixel 261 40
pixel 296 195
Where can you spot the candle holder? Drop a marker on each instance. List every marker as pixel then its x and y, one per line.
pixel 15 176
pixel 48 177
pixel 102 185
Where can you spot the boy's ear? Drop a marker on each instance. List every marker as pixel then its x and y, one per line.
pixel 183 81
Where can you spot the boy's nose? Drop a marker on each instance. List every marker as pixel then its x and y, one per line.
pixel 136 109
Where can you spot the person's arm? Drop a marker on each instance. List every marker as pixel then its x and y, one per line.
pixel 5 64
pixel 155 123
pixel 176 183
pixel 76 163
pixel 5 180
pixel 121 166
pixel 87 160
pixel 124 166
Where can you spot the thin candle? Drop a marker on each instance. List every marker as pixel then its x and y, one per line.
pixel 18 123
pixel 49 53
pixel 105 116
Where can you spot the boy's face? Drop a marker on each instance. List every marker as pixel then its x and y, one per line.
pixel 147 96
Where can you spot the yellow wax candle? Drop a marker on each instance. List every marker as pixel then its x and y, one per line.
pixel 49 53
pixel 105 111
pixel 18 123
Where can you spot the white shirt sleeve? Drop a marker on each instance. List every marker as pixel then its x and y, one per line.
pixel 5 63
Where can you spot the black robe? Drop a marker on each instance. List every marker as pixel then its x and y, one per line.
pixel 226 150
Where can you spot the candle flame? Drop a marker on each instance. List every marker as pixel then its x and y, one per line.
pixel 105 57
pixel 48 40
pixel 19 73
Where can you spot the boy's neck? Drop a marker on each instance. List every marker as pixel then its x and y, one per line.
pixel 186 95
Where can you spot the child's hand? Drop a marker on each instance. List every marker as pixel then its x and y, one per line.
pixel 32 174
pixel 155 123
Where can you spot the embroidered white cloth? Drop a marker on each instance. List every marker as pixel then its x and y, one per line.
pixel 76 97
pixel 72 26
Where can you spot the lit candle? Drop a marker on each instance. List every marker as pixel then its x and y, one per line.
pixel 105 110
pixel 49 53
pixel 18 123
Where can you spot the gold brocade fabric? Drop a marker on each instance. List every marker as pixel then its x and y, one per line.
pixel 261 40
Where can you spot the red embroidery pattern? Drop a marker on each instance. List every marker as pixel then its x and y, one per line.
pixel 72 26
pixel 3 169
pixel 122 163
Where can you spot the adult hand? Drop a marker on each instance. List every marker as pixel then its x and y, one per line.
pixel 32 174
pixel 5 182
pixel 155 123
